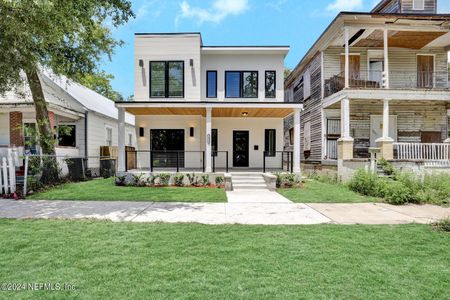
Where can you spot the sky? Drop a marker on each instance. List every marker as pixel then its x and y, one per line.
pixel 297 23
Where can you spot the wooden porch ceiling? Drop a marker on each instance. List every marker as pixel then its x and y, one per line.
pixel 401 39
pixel 216 112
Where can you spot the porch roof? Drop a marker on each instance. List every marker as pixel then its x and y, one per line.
pixel 223 109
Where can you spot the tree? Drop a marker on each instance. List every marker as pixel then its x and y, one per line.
pixel 287 72
pixel 101 83
pixel 66 36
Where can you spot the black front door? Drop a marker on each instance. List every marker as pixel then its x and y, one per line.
pixel 167 146
pixel 240 148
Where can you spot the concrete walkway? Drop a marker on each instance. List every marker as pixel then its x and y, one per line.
pixel 224 213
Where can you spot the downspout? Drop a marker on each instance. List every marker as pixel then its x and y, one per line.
pixel 86 134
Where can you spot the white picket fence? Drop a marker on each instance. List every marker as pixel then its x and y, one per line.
pixel 422 151
pixel 7 176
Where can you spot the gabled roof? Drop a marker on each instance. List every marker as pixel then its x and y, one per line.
pixel 88 98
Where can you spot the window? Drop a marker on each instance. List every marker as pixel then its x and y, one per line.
pixel 214 142
pixel 67 135
pixel 211 84
pixel 166 79
pixel 30 136
pixel 418 4
pixel 270 84
pixel 306 84
pixel 108 136
pixel 130 139
pixel 291 136
pixel 270 142
pixel 241 84
pixel 307 136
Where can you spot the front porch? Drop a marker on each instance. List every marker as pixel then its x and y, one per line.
pixel 210 137
pixel 411 130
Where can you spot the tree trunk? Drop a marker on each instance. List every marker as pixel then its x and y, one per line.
pixel 50 174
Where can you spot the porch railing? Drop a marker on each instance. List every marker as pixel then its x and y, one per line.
pixel 174 160
pixel 421 151
pixel 397 80
pixel 278 160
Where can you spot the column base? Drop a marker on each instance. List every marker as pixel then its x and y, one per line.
pixel 345 148
pixel 386 146
pixel 447 141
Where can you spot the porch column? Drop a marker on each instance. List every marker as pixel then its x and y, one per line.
pixel 208 138
pixel 345 143
pixel 386 143
pixel 386 58
pixel 347 57
pixel 121 140
pixel 296 155
pixel 16 129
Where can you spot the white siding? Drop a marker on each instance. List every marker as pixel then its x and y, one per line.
pixel 243 62
pixel 163 48
pixel 225 127
pixel 4 129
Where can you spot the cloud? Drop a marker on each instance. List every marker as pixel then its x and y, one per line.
pixel 216 13
pixel 152 8
pixel 276 4
pixel 344 5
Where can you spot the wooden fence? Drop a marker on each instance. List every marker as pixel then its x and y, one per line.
pixel 7 176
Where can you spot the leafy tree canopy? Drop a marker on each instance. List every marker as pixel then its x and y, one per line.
pixel 101 83
pixel 66 36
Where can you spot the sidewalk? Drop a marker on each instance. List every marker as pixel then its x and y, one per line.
pixel 225 213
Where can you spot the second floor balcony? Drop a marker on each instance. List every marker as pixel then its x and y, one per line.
pixel 396 80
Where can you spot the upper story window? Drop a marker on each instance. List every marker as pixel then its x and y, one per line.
pixel 211 84
pixel 108 137
pixel 418 4
pixel 166 79
pixel 241 84
pixel 270 84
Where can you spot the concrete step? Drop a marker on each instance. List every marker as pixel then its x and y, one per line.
pixel 250 187
pixel 248 180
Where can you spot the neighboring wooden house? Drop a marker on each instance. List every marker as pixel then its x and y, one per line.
pixel 377 79
pixel 90 120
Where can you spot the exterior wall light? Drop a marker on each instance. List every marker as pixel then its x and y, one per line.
pixel 191 131
pixel 245 114
pixel 141 131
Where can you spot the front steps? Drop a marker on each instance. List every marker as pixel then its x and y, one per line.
pixel 248 181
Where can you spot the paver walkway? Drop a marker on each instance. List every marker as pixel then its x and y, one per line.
pixel 225 213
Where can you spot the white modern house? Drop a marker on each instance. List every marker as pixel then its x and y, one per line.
pixel 207 108
pixel 89 119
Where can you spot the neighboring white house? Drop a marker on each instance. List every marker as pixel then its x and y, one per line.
pixel 208 107
pixel 90 119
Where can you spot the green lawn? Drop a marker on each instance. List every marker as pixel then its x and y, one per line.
pixel 107 260
pixel 104 189
pixel 319 192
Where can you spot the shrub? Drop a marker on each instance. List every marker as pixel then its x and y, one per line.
pixel 192 179
pixel 278 182
pixel 164 179
pixel 151 180
pixel 205 180
pixel 364 182
pixel 443 225
pixel 438 186
pixel 325 178
pixel 219 180
pixel 398 193
pixel 387 167
pixel 178 179
pixel 137 180
pixel 288 180
pixel 120 180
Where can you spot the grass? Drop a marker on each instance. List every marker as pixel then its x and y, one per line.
pixel 314 191
pixel 105 190
pixel 190 261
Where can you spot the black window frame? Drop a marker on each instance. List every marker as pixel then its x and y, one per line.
pixel 74 131
pixel 274 83
pixel 241 85
pixel 270 153
pixel 207 84
pixel 166 79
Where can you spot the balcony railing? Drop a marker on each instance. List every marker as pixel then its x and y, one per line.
pixel 397 80
pixel 422 151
